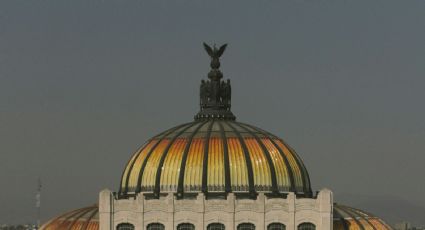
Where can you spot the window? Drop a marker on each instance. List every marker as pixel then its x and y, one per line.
pixel 186 226
pixel 276 226
pixel 156 226
pixel 306 226
pixel 125 226
pixel 246 226
pixel 216 226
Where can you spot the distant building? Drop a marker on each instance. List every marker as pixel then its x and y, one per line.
pixel 404 225
pixel 18 227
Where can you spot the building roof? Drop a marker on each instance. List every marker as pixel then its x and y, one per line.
pixel 348 218
pixel 214 156
pixel 81 219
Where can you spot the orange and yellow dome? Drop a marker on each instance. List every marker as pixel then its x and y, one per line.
pixel 215 156
pixel 347 218
pixel 81 219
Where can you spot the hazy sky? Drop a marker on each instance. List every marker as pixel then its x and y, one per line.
pixel 84 83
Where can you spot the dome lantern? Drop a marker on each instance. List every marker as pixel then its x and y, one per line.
pixel 215 94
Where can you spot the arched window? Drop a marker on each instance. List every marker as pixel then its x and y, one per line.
pixel 276 226
pixel 216 226
pixel 125 226
pixel 246 226
pixel 156 226
pixel 186 226
pixel 306 226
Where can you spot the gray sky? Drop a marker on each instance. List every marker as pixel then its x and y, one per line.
pixel 84 83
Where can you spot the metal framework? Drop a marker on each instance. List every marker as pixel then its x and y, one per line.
pixel 276 226
pixel 186 226
pixel 246 226
pixel 155 226
pixel 216 226
pixel 306 226
pixel 125 226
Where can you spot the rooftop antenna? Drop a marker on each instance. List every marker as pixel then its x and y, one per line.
pixel 38 202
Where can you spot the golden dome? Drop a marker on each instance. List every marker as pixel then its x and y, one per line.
pixel 81 219
pixel 215 156
pixel 347 218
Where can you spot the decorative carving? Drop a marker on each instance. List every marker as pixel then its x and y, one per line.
pixel 157 205
pixel 226 92
pixel 249 205
pixel 215 96
pixel 305 205
pixel 219 205
pixel 188 205
pixel 277 204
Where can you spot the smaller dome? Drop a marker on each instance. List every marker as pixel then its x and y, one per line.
pixel 347 218
pixel 81 219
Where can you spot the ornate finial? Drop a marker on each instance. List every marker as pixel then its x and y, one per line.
pixel 215 54
pixel 215 94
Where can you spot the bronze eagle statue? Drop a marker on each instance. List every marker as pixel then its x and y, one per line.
pixel 215 54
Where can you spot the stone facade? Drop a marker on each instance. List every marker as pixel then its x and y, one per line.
pixel 169 211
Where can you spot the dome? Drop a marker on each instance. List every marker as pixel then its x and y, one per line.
pixel 214 156
pixel 81 219
pixel 347 218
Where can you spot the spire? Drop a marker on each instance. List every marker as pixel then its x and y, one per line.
pixel 215 94
pixel 38 202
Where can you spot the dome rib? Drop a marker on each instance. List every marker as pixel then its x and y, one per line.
pixel 90 218
pixel 164 154
pixel 78 217
pixel 65 223
pixel 304 172
pixel 75 220
pixel 133 161
pixel 370 215
pixel 288 166
pixel 247 160
pixel 305 177
pixel 351 216
pixel 268 157
pixel 340 218
pixel 142 169
pixel 51 222
pixel 362 215
pixel 205 161
pixel 180 189
pixel 227 181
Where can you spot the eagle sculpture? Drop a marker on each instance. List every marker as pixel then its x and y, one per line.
pixel 215 54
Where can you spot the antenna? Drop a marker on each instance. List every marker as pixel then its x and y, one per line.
pixel 38 202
